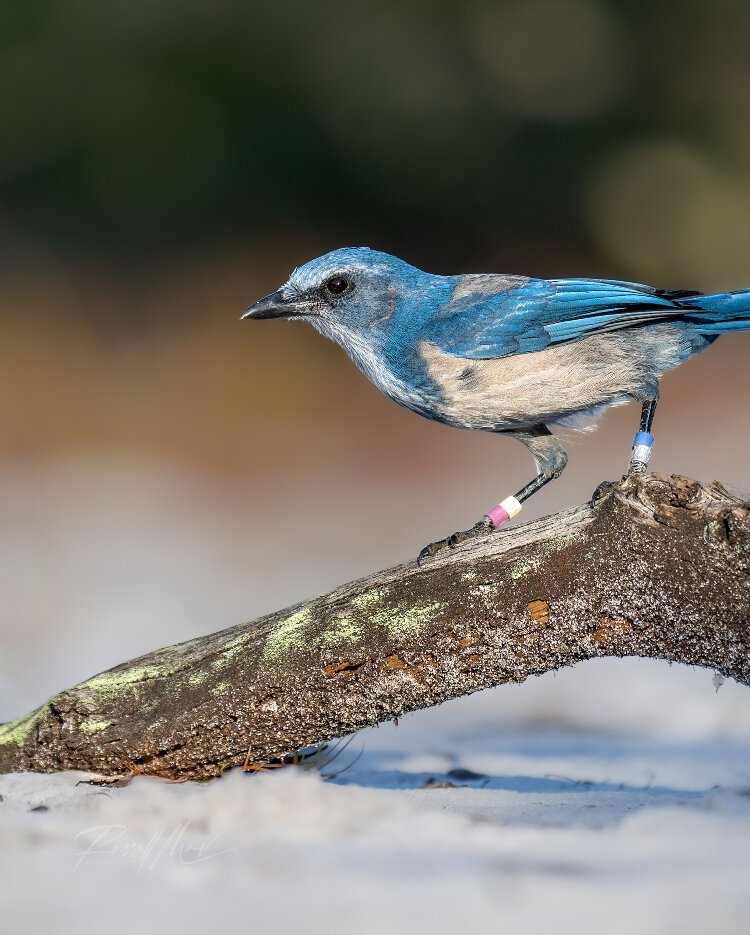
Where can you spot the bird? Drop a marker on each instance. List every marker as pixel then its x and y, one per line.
pixel 516 355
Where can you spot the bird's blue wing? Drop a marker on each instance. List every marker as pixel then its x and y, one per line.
pixel 532 314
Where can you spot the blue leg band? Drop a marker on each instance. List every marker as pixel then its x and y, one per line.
pixel 641 453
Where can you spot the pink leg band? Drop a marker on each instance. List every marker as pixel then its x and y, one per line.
pixel 497 515
pixel 504 511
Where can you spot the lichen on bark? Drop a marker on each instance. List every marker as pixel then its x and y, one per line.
pixel 656 567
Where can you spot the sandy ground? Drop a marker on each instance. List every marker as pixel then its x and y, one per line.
pixel 447 823
pixel 611 797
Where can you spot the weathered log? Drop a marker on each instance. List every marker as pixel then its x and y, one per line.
pixel 654 566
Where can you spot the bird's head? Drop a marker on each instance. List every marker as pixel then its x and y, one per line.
pixel 353 288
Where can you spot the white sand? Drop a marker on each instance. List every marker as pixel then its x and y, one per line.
pixel 562 831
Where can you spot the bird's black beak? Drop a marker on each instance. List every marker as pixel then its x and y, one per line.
pixel 275 305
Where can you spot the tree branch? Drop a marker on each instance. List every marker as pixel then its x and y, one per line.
pixel 655 566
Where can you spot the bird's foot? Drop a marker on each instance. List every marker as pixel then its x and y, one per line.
pixel 482 528
pixel 497 516
pixel 602 490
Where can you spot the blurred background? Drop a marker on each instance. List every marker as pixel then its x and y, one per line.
pixel 167 471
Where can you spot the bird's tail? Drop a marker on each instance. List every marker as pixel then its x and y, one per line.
pixel 719 314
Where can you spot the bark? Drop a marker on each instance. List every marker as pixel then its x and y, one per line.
pixel 654 566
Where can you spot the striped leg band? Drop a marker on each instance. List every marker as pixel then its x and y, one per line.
pixel 641 453
pixel 504 511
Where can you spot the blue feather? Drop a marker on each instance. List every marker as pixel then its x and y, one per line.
pixel 719 314
pixel 541 312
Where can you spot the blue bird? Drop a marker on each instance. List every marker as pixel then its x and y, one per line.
pixel 501 353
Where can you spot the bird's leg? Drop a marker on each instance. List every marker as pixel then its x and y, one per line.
pixel 550 458
pixel 644 440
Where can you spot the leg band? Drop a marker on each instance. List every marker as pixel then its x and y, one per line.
pixel 641 453
pixel 504 511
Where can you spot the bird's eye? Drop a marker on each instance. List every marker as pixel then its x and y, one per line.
pixel 337 285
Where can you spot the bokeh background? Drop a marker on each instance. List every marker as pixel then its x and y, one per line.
pixel 165 470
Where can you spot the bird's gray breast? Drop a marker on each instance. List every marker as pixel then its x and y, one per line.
pixel 553 384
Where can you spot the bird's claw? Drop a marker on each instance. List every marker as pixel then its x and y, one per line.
pixel 432 549
pixel 605 488
pixel 481 528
